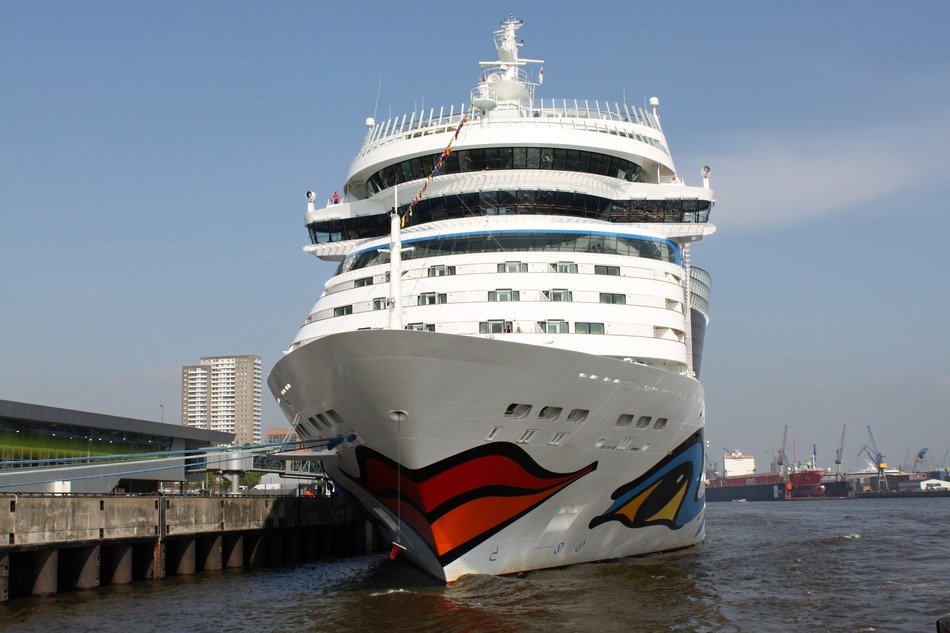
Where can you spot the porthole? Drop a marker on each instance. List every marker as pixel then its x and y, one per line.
pixel 600 443
pixel 549 413
pixel 659 424
pixel 644 421
pixel 516 410
pixel 577 415
pixel 333 415
pixel 625 419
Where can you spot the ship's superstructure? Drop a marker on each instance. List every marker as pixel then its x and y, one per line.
pixel 508 363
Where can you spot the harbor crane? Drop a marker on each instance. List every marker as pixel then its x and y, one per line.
pixel 921 457
pixel 839 454
pixel 877 458
pixel 782 459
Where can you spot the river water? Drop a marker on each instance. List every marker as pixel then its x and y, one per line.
pixel 833 565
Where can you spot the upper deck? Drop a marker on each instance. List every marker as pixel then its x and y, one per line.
pixel 574 114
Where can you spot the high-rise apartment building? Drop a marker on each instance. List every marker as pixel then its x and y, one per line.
pixel 223 393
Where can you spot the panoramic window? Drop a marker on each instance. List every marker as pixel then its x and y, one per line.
pixel 516 202
pixel 628 245
pixel 365 281
pixel 495 158
pixel 342 311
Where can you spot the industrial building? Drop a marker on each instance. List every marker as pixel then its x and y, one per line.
pixel 49 449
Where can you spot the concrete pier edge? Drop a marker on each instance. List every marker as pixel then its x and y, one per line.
pixel 50 544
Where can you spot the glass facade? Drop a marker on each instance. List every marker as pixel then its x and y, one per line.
pixel 491 158
pixel 22 441
pixel 650 248
pixel 515 202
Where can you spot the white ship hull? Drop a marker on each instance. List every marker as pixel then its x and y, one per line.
pixel 463 485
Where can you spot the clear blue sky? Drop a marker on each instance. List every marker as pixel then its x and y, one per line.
pixel 154 159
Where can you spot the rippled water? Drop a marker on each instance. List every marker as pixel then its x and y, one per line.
pixel 845 565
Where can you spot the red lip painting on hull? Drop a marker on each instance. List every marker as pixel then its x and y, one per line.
pixel 460 501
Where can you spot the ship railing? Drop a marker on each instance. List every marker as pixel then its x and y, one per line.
pixel 579 114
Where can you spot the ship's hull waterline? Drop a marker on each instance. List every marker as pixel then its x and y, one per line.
pixel 433 449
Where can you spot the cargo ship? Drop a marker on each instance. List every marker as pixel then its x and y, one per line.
pixel 740 481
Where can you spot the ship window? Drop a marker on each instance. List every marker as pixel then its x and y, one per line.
pixel 342 310
pixel 421 327
pixel 533 158
pixel 365 281
pixel 558 294
pixel 491 434
pixel 588 328
pixel 513 267
pixel 643 422
pixel 527 435
pixel 553 326
pixel 417 171
pixel 564 267
pixel 605 270
pixel 321 421
pixel 624 420
pixel 432 298
pixel 608 297
pixel 659 424
pixel 441 271
pixel 557 439
pixel 333 415
pixel 504 294
pixel 516 410
pixel 495 326
pixel 379 303
pixel 520 157
pixel 549 413
pixel 577 415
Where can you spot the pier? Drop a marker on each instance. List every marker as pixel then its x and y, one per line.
pixel 50 544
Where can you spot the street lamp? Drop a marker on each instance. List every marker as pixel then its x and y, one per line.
pixel 163 412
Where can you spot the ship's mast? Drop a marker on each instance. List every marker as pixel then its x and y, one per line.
pixel 503 81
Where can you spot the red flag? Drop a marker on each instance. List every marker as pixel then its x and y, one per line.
pixel 394 552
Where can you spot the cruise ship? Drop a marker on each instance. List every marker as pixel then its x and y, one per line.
pixel 504 367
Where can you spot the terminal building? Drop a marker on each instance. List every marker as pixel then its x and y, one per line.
pixel 48 449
